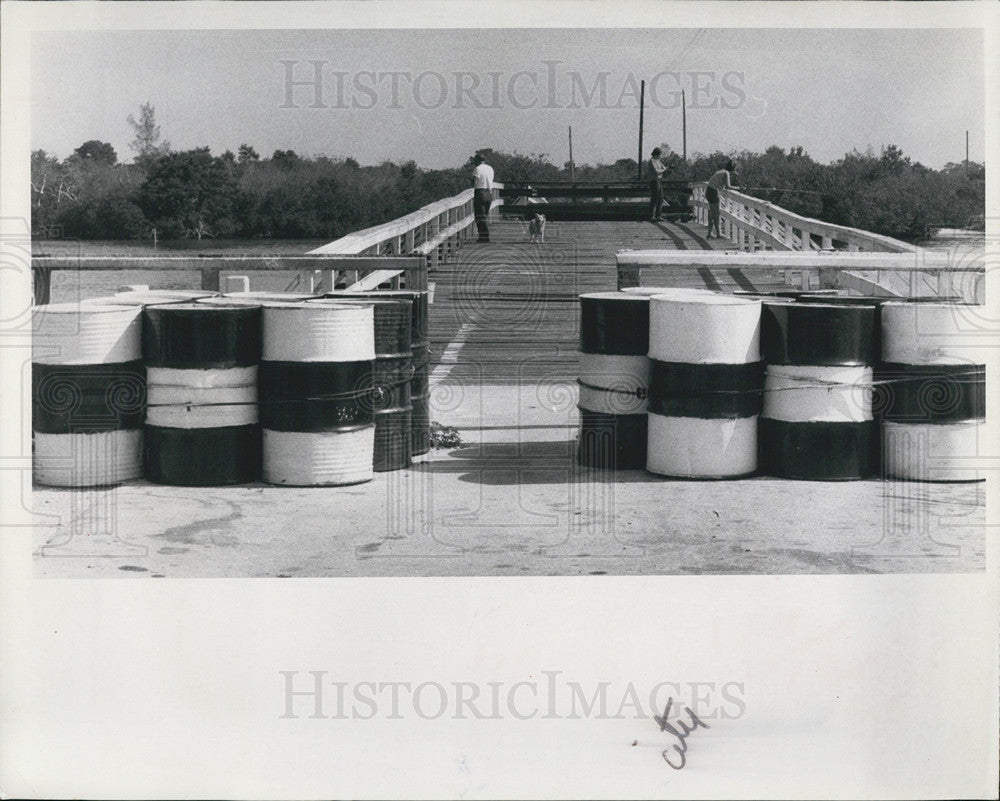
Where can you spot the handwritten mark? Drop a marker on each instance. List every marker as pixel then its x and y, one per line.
pixel 680 731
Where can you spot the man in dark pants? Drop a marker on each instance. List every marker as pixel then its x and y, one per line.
pixel 482 184
pixel 654 170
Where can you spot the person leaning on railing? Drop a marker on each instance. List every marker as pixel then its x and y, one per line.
pixel 720 180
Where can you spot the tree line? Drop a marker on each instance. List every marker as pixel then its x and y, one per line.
pixel 193 194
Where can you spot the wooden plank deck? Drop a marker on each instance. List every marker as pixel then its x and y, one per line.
pixel 508 310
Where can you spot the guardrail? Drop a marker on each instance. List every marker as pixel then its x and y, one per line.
pixel 920 273
pixel 753 224
pixel 213 268
pixel 435 232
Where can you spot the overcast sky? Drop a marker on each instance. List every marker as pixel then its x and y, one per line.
pixel 435 96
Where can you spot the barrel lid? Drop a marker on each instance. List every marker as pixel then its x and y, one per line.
pixel 192 306
pixel 83 307
pixel 706 300
pixel 167 293
pixel 134 299
pixel 221 300
pixel 621 297
pixel 841 300
pixel 818 304
pixel 258 296
pixel 649 291
pixel 349 302
pixel 375 292
pixel 312 304
pixel 364 301
pixel 774 300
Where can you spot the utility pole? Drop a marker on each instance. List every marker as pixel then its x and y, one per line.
pixel 572 169
pixel 642 103
pixel 684 127
pixel 966 153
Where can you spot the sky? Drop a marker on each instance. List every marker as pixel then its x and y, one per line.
pixel 436 96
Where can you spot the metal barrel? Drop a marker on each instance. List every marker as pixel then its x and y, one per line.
pixel 202 426
pixel 420 421
pixel 931 398
pixel 420 392
pixel 392 374
pixel 613 377
pixel 88 394
pixel 817 421
pixel 315 393
pixel 705 385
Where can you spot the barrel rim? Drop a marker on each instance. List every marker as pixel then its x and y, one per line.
pixel 626 297
pixel 196 306
pixel 715 299
pixel 76 307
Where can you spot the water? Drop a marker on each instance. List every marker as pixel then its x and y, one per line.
pixel 68 285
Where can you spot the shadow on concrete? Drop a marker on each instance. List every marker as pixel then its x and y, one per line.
pixel 539 463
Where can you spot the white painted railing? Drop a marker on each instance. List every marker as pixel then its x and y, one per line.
pixel 918 274
pixel 435 231
pixel 753 224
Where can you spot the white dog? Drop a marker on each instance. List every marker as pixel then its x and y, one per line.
pixel 536 228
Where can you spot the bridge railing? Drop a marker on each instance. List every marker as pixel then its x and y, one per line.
pixel 919 274
pixel 396 252
pixel 435 232
pixel 754 224
pixel 215 269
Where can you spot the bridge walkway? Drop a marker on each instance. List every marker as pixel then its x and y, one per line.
pixel 508 310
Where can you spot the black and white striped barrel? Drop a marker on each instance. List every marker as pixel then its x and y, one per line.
pixel 202 426
pixel 613 378
pixel 420 418
pixel 315 393
pixel 88 394
pixel 932 392
pixel 391 377
pixel 817 419
pixel 705 385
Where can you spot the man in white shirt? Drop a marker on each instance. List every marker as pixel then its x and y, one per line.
pixel 482 184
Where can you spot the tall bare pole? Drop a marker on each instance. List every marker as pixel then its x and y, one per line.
pixel 642 104
pixel 966 152
pixel 572 168
pixel 684 126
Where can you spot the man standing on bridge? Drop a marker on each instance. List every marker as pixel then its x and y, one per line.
pixel 654 170
pixel 720 180
pixel 482 183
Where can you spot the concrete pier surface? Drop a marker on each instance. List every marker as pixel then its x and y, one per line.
pixel 511 499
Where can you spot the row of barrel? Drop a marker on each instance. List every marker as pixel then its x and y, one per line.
pixel 199 389
pixel 695 384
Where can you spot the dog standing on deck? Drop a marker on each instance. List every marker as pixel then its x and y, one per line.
pixel 536 227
